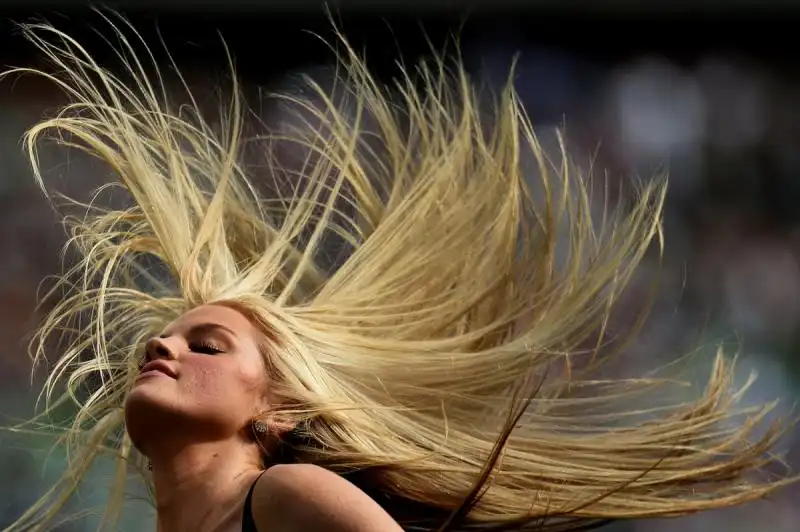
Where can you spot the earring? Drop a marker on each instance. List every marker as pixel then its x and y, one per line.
pixel 259 427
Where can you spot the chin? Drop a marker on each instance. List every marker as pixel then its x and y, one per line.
pixel 156 410
pixel 149 409
pixel 151 392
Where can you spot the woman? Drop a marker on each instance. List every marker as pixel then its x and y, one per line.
pixel 439 377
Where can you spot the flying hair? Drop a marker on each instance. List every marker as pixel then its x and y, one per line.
pixel 444 360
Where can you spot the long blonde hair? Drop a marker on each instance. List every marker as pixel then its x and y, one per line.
pixel 448 354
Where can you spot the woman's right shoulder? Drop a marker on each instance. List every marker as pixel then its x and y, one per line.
pixel 301 497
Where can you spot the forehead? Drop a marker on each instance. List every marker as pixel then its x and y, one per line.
pixel 214 315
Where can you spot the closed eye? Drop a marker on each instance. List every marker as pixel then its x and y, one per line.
pixel 206 348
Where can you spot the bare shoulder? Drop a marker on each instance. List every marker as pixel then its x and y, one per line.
pixel 301 497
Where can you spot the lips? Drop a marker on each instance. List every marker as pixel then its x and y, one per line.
pixel 159 366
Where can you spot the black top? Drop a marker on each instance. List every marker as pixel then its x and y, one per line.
pixel 248 523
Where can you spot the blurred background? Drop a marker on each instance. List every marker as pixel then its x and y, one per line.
pixel 708 90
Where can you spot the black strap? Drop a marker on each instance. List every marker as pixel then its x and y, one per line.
pixel 248 523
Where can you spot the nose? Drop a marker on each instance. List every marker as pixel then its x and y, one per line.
pixel 158 348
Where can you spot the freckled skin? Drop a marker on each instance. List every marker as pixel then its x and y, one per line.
pixel 215 394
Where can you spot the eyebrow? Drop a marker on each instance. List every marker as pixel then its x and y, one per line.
pixel 202 328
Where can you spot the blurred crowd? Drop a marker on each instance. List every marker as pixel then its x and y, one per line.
pixel 724 127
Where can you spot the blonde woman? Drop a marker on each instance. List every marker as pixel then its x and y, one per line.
pixel 438 378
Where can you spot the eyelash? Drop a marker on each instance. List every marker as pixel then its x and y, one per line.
pixel 205 348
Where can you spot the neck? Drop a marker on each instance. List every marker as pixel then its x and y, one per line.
pixel 202 487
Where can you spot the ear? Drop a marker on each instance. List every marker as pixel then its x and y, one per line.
pixel 274 423
pixel 279 424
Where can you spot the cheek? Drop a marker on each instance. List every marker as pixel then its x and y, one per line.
pixel 218 383
pixel 219 394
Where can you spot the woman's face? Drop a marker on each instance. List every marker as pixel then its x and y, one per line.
pixel 203 379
